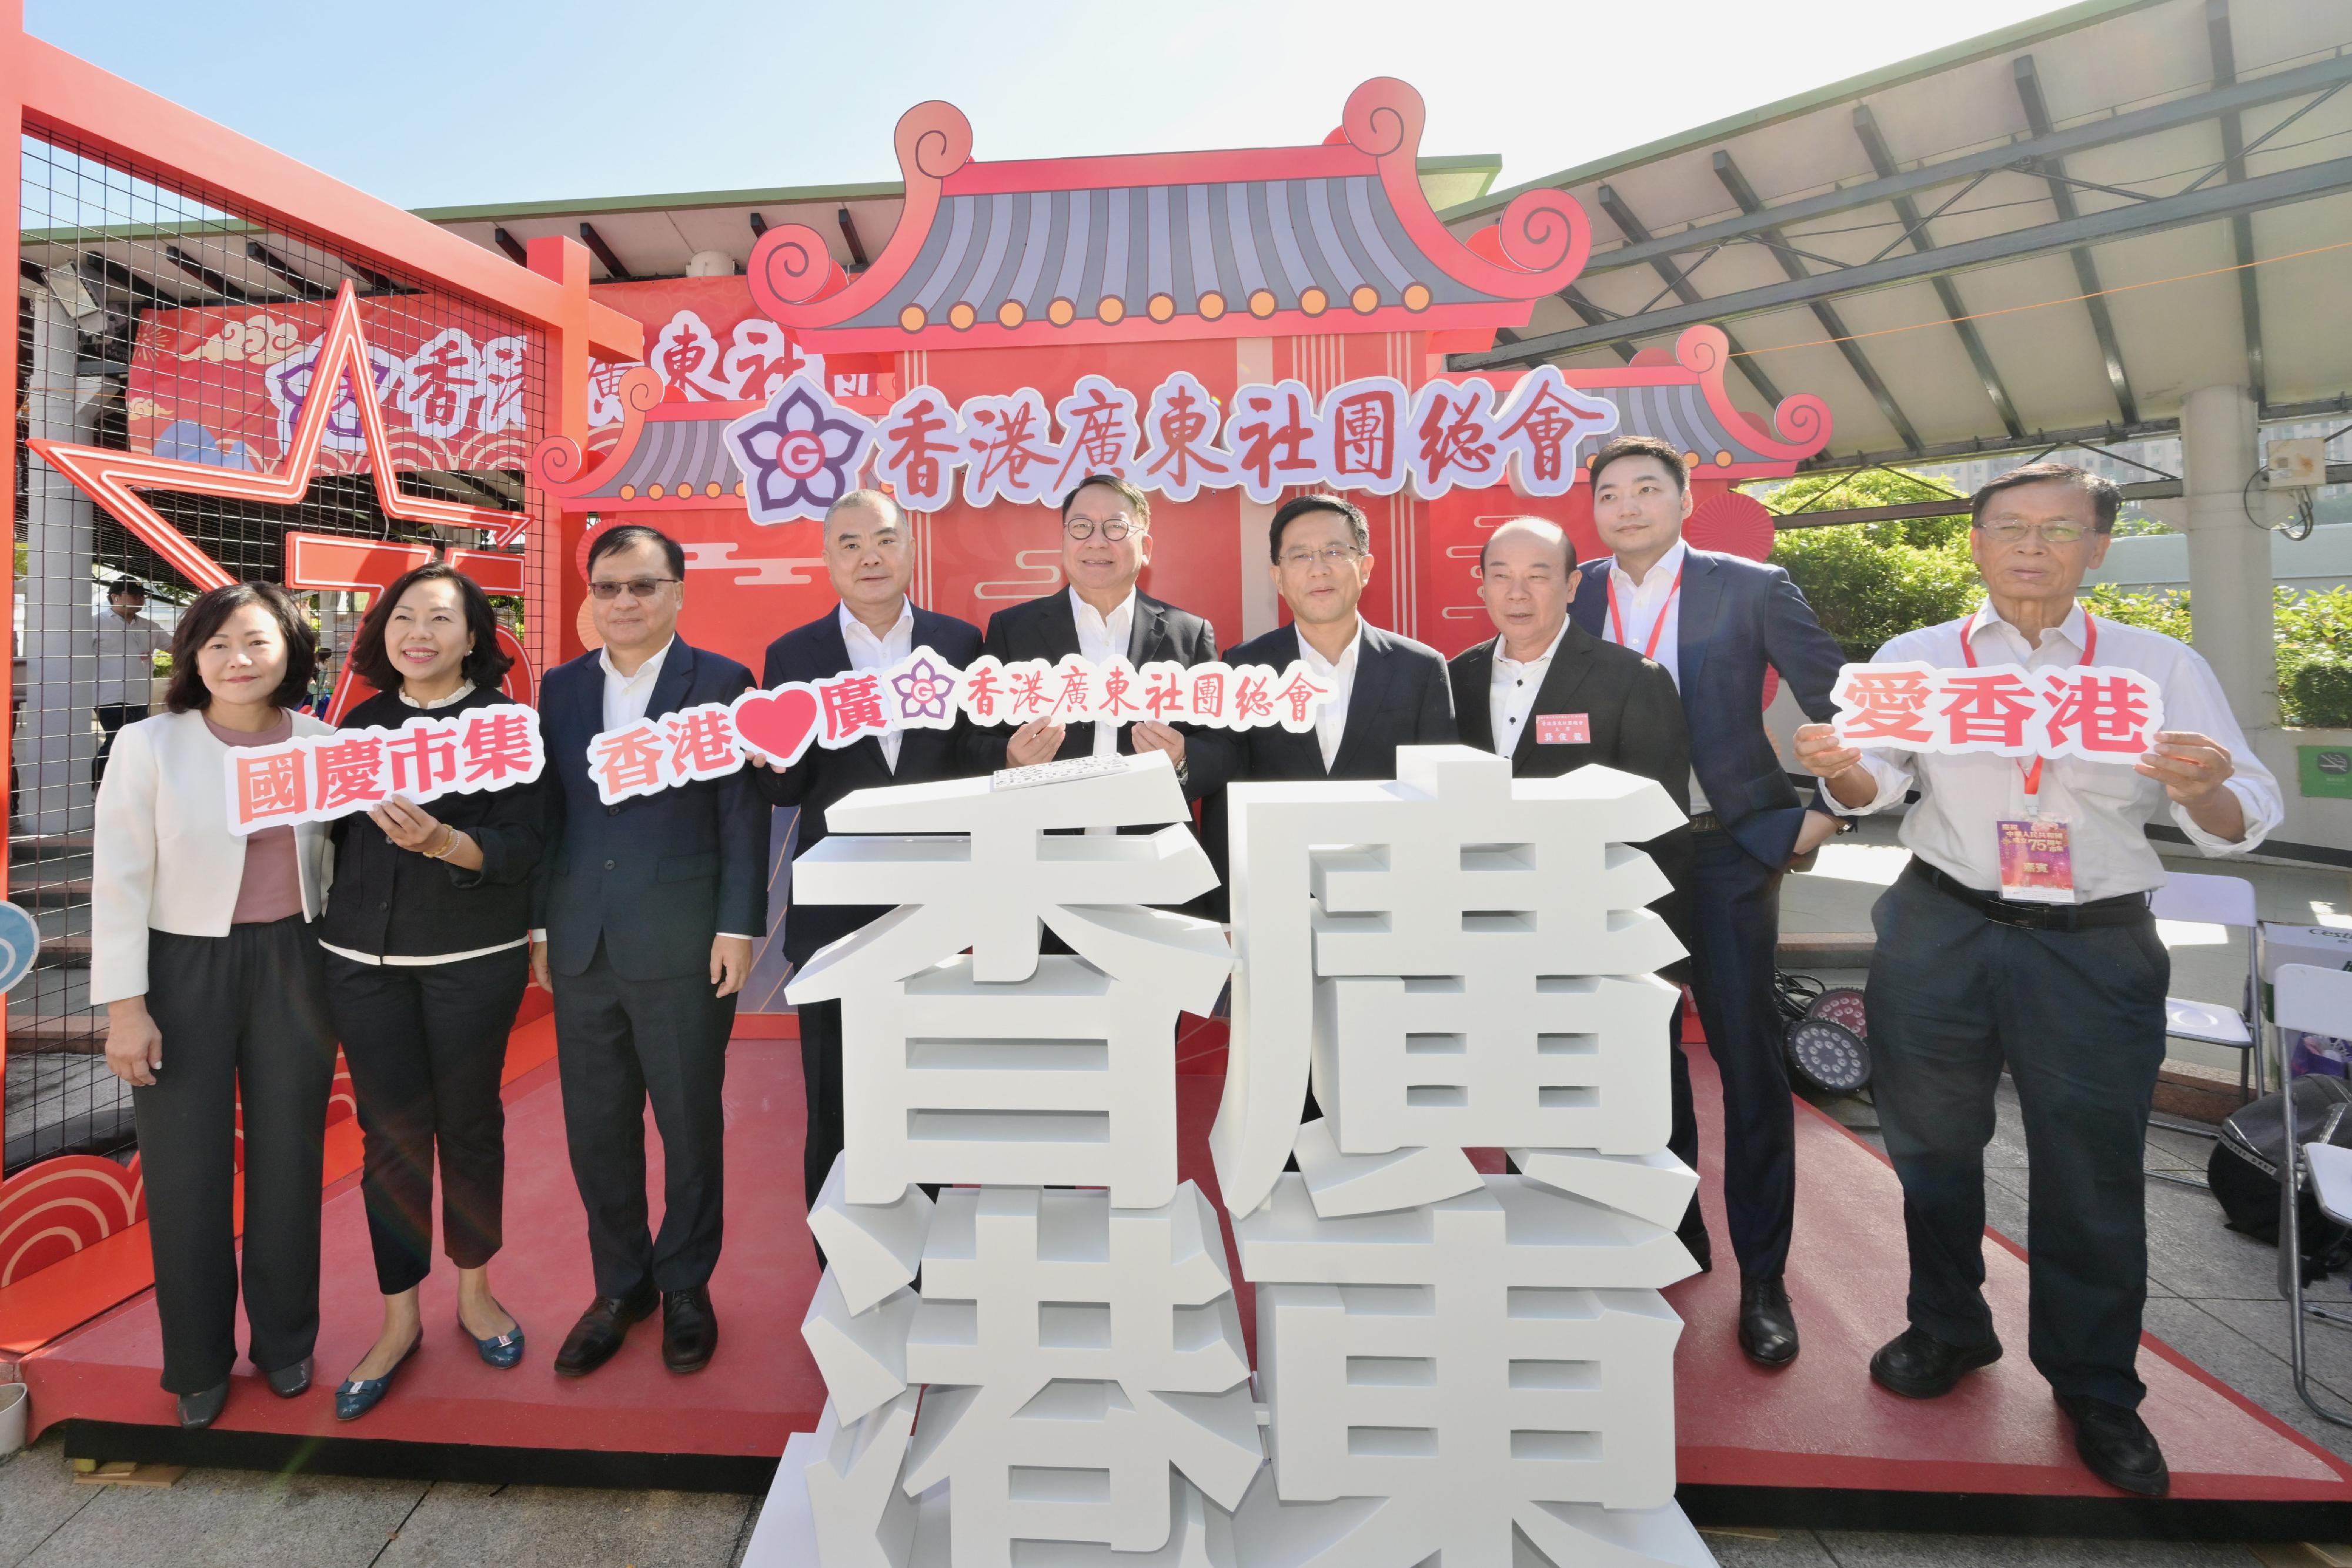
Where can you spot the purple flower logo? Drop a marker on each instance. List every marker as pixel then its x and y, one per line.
pixel 800 454
pixel 924 690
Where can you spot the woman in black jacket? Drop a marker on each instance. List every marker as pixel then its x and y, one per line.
pixel 428 944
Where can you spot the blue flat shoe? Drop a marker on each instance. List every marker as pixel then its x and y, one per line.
pixel 356 1396
pixel 501 1351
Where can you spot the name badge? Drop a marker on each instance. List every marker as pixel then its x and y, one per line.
pixel 1563 729
pixel 2036 864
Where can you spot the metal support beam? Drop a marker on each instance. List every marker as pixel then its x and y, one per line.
pixel 1947 295
pixel 2242 227
pixel 2217 201
pixel 2086 271
pixel 113 275
pixel 2193 110
pixel 613 270
pixel 1728 170
pixel 205 275
pixel 1673 277
pixel 256 251
pixel 849 235
pixel 1592 316
pixel 511 245
pixel 759 226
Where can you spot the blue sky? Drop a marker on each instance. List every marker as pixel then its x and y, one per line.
pixel 428 103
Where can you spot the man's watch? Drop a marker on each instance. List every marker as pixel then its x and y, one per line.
pixel 1183 771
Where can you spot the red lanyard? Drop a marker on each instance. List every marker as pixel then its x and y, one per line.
pixel 1658 627
pixel 2032 776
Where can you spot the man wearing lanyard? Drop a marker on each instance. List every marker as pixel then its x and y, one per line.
pixel 2053 970
pixel 1717 622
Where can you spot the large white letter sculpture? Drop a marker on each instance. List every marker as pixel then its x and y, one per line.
pixel 1449 1365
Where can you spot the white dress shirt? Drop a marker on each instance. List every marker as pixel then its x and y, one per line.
pixel 126 653
pixel 868 653
pixel 2104 804
pixel 1511 691
pixel 1332 720
pixel 1653 605
pixel 1101 638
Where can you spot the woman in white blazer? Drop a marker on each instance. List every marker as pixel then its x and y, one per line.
pixel 204 951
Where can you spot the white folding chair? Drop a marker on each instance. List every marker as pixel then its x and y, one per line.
pixel 2314 1001
pixel 2217 900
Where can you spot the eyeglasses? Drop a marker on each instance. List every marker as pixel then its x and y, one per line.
pixel 634 587
pixel 2048 533
pixel 1329 555
pixel 1114 528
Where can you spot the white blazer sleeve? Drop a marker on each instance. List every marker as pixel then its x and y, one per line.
pixel 122 872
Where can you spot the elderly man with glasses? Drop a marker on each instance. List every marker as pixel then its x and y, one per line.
pixel 2051 970
pixel 644 915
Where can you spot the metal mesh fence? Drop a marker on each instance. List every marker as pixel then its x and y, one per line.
pixel 155 319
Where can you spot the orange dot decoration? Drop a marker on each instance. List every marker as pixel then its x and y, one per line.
pixel 912 319
pixel 1262 303
pixel 1061 312
pixel 961 316
pixel 1160 308
pixel 711 489
pixel 1416 296
pixel 653 492
pixel 1212 305
pixel 1314 301
pixel 1366 300
pixel 1690 459
pixel 1010 314
pixel 1723 459
pixel 628 492
pixel 739 487
pixel 1110 309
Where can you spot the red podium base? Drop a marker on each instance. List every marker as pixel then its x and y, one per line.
pixel 1816 1446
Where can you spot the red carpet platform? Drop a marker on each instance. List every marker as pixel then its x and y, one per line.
pixel 1816 1445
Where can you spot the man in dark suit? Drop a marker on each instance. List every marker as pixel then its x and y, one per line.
pixel 1106 545
pixel 1387 691
pixel 866 555
pixel 644 917
pixel 1717 622
pixel 1553 698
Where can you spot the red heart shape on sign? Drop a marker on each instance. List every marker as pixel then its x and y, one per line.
pixel 779 723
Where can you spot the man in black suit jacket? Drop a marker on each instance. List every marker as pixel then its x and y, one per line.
pixel 1388 691
pixel 874 627
pixel 1717 622
pixel 1553 698
pixel 645 915
pixel 1106 545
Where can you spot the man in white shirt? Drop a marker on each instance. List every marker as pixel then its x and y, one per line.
pixel 126 643
pixel 869 556
pixel 2064 986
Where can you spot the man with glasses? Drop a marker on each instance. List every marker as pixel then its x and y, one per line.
pixel 1387 691
pixel 645 915
pixel 2057 976
pixel 1717 624
pixel 1102 614
pixel 868 557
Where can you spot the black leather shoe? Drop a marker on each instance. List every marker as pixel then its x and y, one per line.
pixel 689 1328
pixel 601 1329
pixel 1693 1238
pixel 290 1382
pixel 2117 1446
pixel 1917 1366
pixel 198 1411
pixel 1768 1327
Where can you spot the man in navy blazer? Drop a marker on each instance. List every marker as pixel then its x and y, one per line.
pixel 866 555
pixel 644 915
pixel 1715 622
pixel 1387 691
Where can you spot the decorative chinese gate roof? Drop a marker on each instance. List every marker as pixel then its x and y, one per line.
pixel 1289 240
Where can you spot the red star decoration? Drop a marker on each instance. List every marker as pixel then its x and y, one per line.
pixel 115 480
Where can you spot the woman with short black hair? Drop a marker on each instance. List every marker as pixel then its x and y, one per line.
pixel 427 941
pixel 202 941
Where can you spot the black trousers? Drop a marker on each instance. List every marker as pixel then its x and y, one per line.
pixel 820 1025
pixel 2078 1018
pixel 427 1044
pixel 1735 917
pixel 111 717
pixel 243 1017
pixel 621 1043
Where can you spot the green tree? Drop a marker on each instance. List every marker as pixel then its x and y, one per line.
pixel 1871 581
